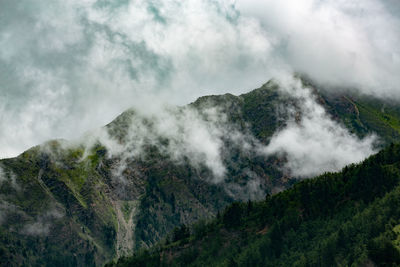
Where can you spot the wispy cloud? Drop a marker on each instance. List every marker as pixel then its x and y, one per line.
pixel 339 43
pixel 72 66
pixel 183 134
pixel 42 223
pixel 312 142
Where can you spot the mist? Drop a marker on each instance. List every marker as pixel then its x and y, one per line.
pixel 70 67
pixel 336 42
pixel 313 143
pixel 179 133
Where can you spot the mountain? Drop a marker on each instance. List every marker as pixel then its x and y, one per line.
pixel 349 218
pixel 84 203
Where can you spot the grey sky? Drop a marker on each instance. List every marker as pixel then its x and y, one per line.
pixel 70 66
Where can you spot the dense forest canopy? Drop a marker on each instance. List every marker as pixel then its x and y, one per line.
pixel 346 218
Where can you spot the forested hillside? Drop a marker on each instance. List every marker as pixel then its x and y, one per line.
pixel 346 218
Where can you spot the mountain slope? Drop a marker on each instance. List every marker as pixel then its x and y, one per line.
pixel 71 204
pixel 346 218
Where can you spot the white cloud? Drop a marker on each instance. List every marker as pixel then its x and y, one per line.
pixel 312 142
pixel 342 43
pixel 183 134
pixel 72 66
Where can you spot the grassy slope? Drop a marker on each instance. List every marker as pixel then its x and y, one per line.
pixel 84 195
pixel 85 222
pixel 345 218
pixel 364 115
pixel 385 119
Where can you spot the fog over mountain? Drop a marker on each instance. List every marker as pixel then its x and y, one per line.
pixel 67 67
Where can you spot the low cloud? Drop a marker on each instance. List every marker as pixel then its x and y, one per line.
pixel 313 143
pixel 72 66
pixel 42 223
pixel 183 134
pixel 5 209
pixel 7 176
pixel 336 42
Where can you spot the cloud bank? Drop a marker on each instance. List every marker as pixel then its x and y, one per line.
pixel 336 42
pixel 312 142
pixel 71 66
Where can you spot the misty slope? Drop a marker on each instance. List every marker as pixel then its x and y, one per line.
pixel 65 211
pixel 79 204
pixel 350 218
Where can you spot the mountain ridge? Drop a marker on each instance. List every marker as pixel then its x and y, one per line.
pixel 113 204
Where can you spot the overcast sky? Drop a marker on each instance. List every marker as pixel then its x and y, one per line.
pixel 70 66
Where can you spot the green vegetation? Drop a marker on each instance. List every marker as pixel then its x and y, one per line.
pixel 64 204
pixel 385 120
pixel 364 115
pixel 346 218
pixel 57 213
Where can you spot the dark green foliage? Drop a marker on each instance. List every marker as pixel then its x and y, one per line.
pixel 233 215
pixel 346 218
pixel 180 233
pixel 159 194
pixel 382 251
pixel 142 259
pixel 172 193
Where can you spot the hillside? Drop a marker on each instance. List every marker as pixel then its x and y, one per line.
pixel 73 204
pixel 346 218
